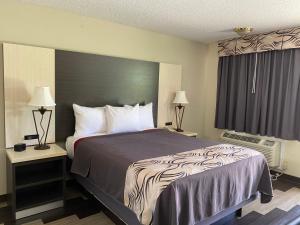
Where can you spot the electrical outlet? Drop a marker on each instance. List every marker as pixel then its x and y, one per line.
pixel 31 137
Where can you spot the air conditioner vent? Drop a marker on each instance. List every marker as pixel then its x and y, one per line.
pixel 269 148
pixel 242 138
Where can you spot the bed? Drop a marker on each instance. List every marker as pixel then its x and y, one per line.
pixel 101 165
pixel 152 176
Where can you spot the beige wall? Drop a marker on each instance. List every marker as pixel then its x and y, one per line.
pixel 292 148
pixel 39 26
pixel 2 137
pixel 166 92
pixel 210 93
pixel 26 67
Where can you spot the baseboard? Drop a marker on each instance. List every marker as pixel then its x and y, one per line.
pixel 288 178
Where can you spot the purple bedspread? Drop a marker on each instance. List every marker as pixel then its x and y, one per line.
pixel 187 201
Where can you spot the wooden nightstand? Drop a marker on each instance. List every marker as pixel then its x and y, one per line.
pixel 35 180
pixel 186 133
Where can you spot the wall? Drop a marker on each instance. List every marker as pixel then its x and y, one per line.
pixel 210 93
pixel 291 148
pixel 166 92
pixel 2 153
pixel 25 68
pixel 40 26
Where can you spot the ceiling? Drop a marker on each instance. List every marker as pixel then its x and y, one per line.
pixel 200 20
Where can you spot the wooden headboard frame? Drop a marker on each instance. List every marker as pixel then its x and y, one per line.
pixel 96 80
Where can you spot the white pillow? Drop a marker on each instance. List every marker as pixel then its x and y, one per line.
pixel 89 120
pixel 146 116
pixel 122 119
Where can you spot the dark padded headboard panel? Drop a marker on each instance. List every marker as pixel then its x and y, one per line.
pixel 96 80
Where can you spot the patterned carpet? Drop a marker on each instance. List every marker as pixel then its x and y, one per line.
pixel 81 210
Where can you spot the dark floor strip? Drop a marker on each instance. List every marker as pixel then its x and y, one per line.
pixel 274 215
pixel 290 217
pixel 249 218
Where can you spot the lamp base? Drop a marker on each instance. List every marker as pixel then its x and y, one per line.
pixel 41 147
pixel 42 138
pixel 179 130
pixel 179 111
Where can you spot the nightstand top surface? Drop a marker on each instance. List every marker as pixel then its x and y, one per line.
pixel 186 133
pixel 30 154
pixel 189 133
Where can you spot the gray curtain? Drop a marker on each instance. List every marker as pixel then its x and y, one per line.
pixel 268 104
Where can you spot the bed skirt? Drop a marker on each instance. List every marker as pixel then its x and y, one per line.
pixel 129 217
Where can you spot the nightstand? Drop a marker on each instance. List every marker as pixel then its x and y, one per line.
pixel 35 180
pixel 186 133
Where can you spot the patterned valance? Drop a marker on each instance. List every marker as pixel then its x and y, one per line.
pixel 276 40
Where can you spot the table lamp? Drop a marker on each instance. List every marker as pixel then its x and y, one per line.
pixel 42 98
pixel 180 101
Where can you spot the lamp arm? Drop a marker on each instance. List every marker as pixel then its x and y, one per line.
pixel 176 116
pixel 48 126
pixel 41 125
pixel 37 132
pixel 183 108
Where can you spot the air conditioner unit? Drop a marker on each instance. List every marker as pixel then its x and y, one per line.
pixel 270 148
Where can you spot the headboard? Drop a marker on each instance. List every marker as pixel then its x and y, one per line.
pixel 96 80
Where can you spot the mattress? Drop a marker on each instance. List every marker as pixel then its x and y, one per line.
pixel 71 140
